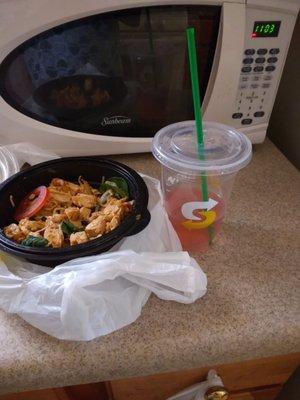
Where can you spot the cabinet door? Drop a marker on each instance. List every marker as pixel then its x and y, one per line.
pixel 243 380
pixel 269 393
pixel 92 391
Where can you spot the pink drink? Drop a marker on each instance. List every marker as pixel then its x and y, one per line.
pixel 196 226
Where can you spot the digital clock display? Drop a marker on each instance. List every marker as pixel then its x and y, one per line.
pixel 266 29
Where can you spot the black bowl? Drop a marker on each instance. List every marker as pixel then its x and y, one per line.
pixel 90 168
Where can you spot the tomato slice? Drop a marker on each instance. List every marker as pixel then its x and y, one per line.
pixel 32 203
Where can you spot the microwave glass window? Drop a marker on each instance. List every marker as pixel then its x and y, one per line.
pixel 122 73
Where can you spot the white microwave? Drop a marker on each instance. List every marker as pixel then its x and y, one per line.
pixel 102 76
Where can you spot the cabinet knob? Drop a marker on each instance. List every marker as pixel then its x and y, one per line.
pixel 216 393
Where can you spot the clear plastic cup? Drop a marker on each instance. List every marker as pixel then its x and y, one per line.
pixel 225 152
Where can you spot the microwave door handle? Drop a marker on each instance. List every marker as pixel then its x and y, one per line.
pixel 221 91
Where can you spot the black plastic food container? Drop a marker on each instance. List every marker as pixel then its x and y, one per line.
pixel 90 168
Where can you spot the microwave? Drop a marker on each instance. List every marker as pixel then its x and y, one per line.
pixel 103 76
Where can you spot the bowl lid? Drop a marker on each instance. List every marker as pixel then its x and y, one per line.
pixel 8 164
pixel 225 150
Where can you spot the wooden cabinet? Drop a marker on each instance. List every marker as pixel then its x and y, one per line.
pixel 259 379
pixel 250 380
pixel 93 391
pixel 257 394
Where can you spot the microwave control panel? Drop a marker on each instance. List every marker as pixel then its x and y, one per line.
pixel 256 84
pixel 267 38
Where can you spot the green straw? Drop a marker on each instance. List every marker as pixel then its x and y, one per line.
pixel 190 33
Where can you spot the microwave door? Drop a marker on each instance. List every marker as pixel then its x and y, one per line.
pixel 121 74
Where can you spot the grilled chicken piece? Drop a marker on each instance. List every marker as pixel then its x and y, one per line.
pixel 96 227
pixel 57 218
pixel 13 232
pixel 54 235
pixel 78 237
pixel 57 182
pixel 51 222
pixel 72 213
pixel 73 188
pixel 114 201
pixel 85 186
pixel 85 200
pixel 115 221
pixel 94 215
pixel 85 213
pixel 28 226
pixel 110 209
pixel 61 197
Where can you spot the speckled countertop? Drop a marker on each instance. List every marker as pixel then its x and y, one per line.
pixel 251 308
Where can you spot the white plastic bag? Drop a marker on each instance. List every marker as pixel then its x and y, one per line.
pixel 30 153
pixel 93 296
pixel 14 156
pixel 197 392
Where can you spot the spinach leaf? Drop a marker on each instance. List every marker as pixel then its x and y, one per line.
pixel 121 183
pixel 104 187
pixel 35 241
pixel 118 185
pixel 67 228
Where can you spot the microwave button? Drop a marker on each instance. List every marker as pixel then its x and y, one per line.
pixel 249 52
pixel 268 77
pixel 262 51
pixel 246 69
pixel 243 86
pixel 246 121
pixel 259 114
pixel 270 68
pixel 244 78
pixel 256 78
pixel 272 60
pixel 254 86
pixel 258 68
pixel 248 60
pixel 237 115
pixel 274 51
pixel 266 85
pixel 260 60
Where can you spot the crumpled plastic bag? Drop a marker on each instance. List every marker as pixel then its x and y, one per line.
pixel 197 391
pixel 92 296
pixel 30 153
pixel 14 156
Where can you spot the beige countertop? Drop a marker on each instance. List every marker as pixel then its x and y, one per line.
pixel 251 308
